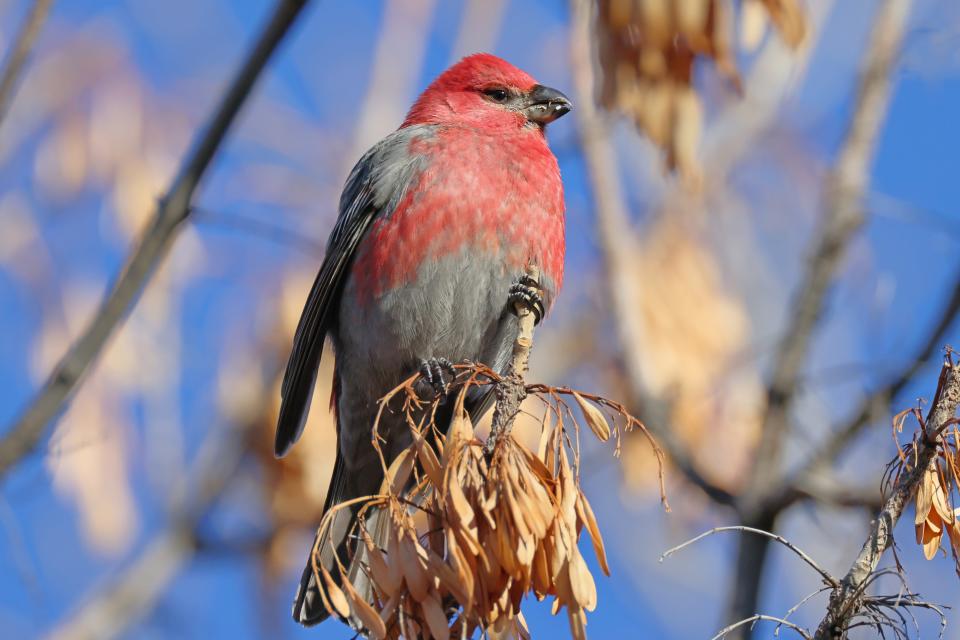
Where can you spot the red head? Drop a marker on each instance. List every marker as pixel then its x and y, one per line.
pixel 485 91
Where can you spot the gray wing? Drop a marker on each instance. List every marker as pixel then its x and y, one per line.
pixel 374 188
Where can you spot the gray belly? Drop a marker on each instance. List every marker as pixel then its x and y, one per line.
pixel 455 308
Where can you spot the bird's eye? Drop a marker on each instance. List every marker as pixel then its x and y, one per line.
pixel 496 94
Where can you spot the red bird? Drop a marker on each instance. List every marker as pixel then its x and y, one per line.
pixel 437 224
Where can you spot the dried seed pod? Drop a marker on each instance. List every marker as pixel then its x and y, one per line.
pixel 337 600
pixel 365 612
pixel 594 417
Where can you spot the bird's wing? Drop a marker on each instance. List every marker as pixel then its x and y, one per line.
pixel 374 188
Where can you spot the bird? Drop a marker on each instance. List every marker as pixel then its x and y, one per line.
pixel 437 223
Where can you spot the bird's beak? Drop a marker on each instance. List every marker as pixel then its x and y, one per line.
pixel 546 105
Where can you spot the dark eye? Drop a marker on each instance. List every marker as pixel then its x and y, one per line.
pixel 496 94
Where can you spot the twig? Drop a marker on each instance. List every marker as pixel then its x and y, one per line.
pixel 844 215
pixel 757 618
pixel 511 390
pixel 19 53
pixel 617 242
pixel 174 208
pixel 828 489
pixel 829 579
pixel 846 601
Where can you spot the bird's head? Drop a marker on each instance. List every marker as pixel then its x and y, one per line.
pixel 487 92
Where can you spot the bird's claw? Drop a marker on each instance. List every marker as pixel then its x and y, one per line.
pixel 438 373
pixel 526 291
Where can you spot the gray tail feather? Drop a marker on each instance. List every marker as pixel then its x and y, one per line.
pixel 339 539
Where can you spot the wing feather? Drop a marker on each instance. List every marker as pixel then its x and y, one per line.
pixel 373 188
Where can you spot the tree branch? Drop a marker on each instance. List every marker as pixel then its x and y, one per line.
pixel 19 53
pixel 616 243
pixel 827 578
pixel 173 209
pixel 846 601
pixel 845 189
pixel 844 215
pixel 511 391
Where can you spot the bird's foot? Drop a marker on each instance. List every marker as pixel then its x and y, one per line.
pixel 437 373
pixel 525 290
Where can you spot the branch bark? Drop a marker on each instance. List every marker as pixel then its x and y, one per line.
pixel 845 601
pixel 512 391
pixel 19 53
pixel 173 210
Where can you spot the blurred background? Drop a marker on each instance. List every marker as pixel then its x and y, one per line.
pixel 702 170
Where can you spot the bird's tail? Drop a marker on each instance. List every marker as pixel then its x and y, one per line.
pixel 340 539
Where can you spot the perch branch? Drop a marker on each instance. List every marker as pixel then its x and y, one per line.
pixel 173 209
pixel 847 599
pixel 511 391
pixel 19 53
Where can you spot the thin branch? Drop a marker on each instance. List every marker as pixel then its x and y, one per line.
pixel 757 618
pixel 830 490
pixel 258 228
pixel 846 601
pixel 174 208
pixel 19 53
pixel 829 579
pixel 617 243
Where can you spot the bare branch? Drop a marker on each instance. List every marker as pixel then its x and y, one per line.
pixel 130 595
pixel 847 600
pixel 829 579
pixel 617 242
pixel 19 53
pixel 757 618
pixel 174 208
pixel 828 489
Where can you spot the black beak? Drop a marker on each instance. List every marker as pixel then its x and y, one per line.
pixel 546 105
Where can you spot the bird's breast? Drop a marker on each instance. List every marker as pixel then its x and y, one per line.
pixel 483 202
